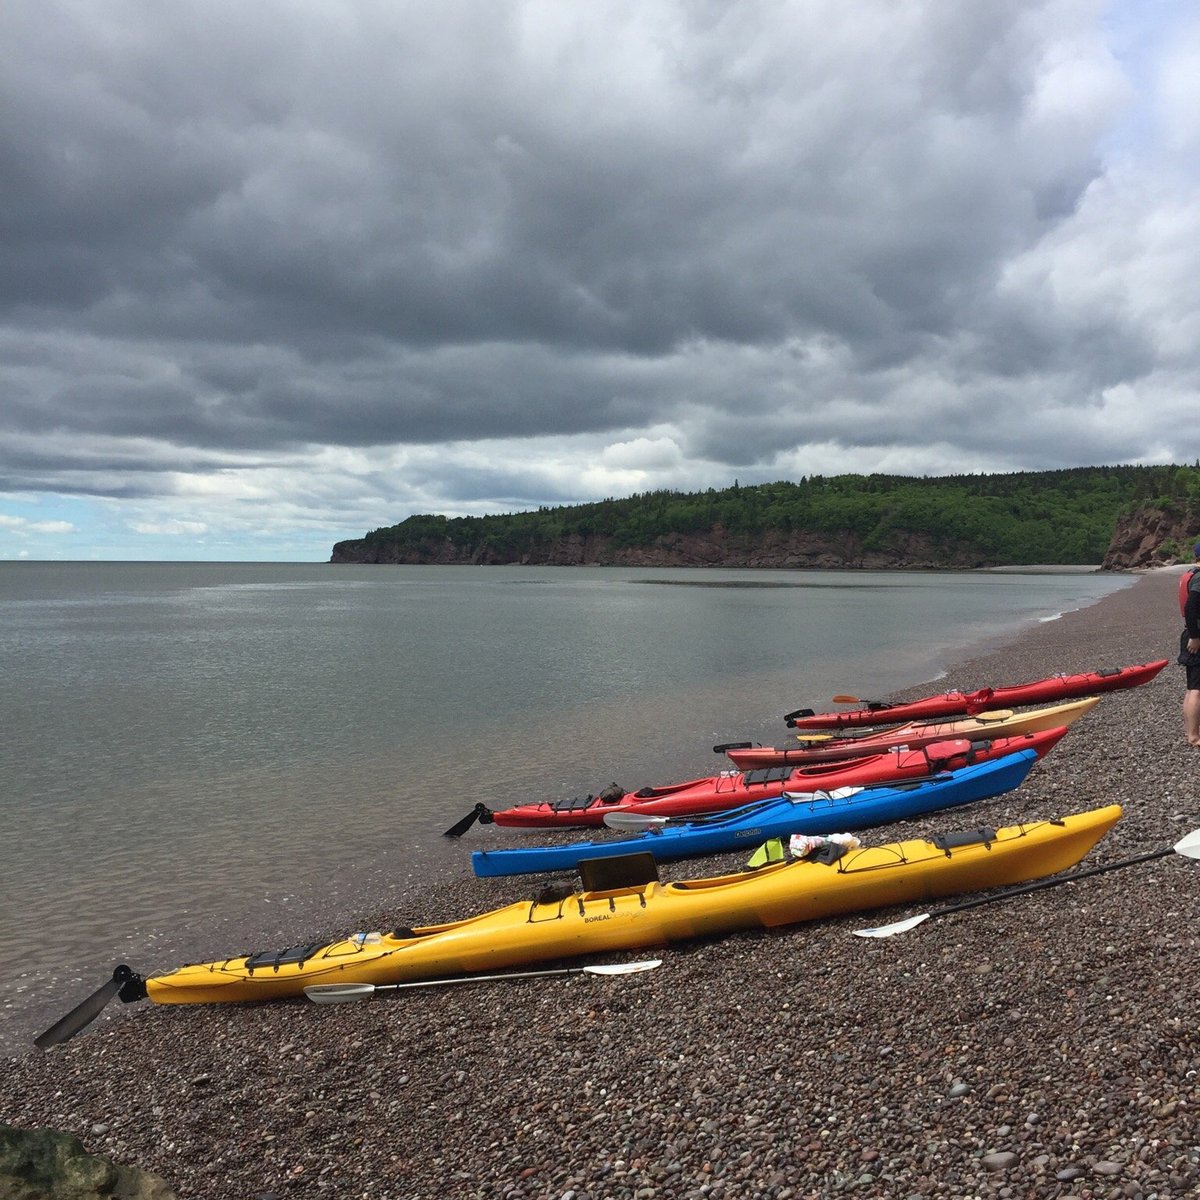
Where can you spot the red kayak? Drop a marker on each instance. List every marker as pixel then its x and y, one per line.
pixel 731 789
pixel 1056 687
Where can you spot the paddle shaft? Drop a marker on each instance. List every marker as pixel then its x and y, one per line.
pixel 334 993
pixel 383 987
pixel 1040 884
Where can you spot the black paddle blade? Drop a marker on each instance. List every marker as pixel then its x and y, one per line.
pixel 82 1015
pixel 479 813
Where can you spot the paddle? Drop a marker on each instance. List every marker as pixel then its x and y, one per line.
pixel 977 697
pixel 342 993
pixel 1188 846
pixel 480 813
pixel 626 820
pixel 797 717
pixel 84 1013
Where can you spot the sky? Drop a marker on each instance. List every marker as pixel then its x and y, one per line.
pixel 276 274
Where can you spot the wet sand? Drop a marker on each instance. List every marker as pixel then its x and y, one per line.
pixel 1042 1047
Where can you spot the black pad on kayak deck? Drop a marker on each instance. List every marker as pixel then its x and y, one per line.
pixel 767 775
pixel 827 853
pixel 277 958
pixel 968 837
pixel 623 871
pixel 573 805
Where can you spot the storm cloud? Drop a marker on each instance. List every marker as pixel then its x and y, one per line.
pixel 281 273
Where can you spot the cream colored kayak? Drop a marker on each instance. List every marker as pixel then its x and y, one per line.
pixel 821 747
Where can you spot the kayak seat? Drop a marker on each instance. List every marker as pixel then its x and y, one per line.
pixel 967 837
pixel 277 958
pixel 621 871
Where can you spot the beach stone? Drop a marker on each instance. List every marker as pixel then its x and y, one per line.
pixel 1000 1161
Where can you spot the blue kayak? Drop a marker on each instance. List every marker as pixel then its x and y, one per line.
pixel 836 811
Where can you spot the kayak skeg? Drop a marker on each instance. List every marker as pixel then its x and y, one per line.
pixel 624 906
pixel 821 812
pixel 991 724
pixel 1054 687
pixel 732 789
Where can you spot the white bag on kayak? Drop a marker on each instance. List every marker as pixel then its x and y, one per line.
pixel 801 845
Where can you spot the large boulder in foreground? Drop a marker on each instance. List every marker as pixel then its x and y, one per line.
pixel 45 1164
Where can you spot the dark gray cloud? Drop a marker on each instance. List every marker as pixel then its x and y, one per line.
pixel 467 254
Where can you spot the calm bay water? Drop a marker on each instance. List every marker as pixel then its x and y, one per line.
pixel 187 745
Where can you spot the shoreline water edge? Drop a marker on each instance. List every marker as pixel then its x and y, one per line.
pixel 1046 1046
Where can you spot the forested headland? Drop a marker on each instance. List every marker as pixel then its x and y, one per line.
pixel 1119 516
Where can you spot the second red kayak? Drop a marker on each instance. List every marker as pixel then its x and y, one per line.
pixel 1042 691
pixel 731 789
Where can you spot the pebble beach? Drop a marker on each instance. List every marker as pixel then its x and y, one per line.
pixel 1044 1046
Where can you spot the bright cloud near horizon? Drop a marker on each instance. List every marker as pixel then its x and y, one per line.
pixel 273 275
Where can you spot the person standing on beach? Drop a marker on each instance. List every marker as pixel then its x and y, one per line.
pixel 1189 648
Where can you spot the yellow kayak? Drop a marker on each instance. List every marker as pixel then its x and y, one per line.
pixel 623 906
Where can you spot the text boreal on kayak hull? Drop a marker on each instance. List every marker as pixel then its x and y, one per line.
pixel 556 925
pixel 1042 691
pixel 732 789
pixel 912 734
pixel 746 827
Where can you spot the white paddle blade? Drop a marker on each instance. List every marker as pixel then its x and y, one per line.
pixel 338 993
pixel 886 931
pixel 647 964
pixel 621 820
pixel 1189 846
